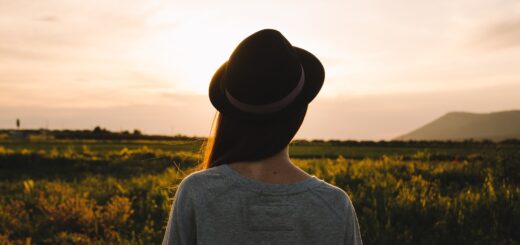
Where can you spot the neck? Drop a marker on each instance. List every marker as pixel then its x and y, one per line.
pixel 279 159
pixel 277 168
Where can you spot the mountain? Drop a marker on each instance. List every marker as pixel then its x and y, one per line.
pixel 463 125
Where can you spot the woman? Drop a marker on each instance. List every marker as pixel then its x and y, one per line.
pixel 249 191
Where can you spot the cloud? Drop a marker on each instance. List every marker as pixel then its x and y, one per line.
pixel 56 53
pixel 48 19
pixel 504 33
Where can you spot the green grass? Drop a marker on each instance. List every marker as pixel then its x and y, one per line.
pixel 98 192
pixel 297 150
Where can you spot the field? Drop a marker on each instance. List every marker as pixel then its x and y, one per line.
pixel 120 191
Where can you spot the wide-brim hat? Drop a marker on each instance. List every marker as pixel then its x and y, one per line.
pixel 264 77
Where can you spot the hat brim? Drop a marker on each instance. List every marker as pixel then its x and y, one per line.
pixel 314 77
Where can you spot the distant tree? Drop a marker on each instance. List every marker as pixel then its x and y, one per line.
pixel 137 132
pixel 17 123
pixel 487 141
pixel 99 130
pixel 510 141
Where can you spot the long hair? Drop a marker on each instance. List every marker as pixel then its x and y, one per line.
pixel 232 139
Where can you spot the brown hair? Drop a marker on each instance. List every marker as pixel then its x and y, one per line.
pixel 237 139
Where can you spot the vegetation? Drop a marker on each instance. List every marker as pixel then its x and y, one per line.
pixel 106 191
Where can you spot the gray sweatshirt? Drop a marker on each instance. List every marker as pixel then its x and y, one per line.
pixel 220 206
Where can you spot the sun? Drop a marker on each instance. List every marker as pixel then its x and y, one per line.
pixel 188 56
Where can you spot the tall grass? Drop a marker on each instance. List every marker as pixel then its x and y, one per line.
pixel 84 196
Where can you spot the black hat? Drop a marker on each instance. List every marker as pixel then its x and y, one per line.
pixel 265 76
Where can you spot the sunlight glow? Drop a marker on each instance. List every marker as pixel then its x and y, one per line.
pixel 162 54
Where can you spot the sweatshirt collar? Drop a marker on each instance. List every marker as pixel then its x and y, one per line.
pixel 271 188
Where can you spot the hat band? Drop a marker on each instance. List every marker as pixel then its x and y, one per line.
pixel 271 107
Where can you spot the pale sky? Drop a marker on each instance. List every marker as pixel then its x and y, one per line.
pixel 391 66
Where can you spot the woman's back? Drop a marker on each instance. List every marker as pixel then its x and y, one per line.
pixel 261 94
pixel 220 206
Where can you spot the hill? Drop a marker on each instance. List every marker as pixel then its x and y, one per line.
pixel 494 126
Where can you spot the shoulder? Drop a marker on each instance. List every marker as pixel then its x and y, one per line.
pixel 334 197
pixel 199 177
pixel 332 192
pixel 205 181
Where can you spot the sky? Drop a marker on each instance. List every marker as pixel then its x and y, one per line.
pixel 391 66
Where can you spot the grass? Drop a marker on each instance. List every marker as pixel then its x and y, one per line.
pixel 98 192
